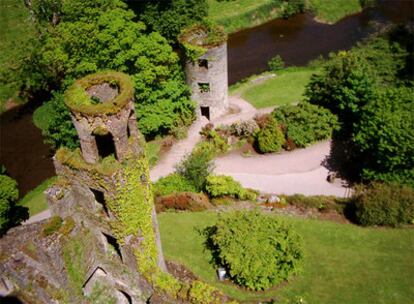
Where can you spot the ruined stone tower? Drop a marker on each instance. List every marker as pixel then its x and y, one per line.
pixel 108 242
pixel 205 47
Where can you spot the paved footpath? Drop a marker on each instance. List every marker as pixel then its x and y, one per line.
pixel 166 164
pixel 300 171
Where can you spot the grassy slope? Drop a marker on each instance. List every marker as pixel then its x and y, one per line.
pixel 35 200
pixel 287 87
pixel 344 263
pixel 240 14
pixel 15 28
pixel 331 11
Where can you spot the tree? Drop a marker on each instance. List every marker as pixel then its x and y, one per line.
pixel 8 210
pixel 60 130
pixel 345 86
pixel 195 167
pixel 384 137
pixel 168 17
pixel 270 138
pixel 102 34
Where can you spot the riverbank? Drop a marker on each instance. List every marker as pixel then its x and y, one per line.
pixel 275 89
pixel 238 15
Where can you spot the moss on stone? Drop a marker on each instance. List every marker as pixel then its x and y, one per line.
pixel 52 225
pixel 200 37
pixel 78 100
pixel 74 160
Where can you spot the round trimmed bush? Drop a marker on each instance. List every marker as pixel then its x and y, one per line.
pixel 270 138
pixel 258 250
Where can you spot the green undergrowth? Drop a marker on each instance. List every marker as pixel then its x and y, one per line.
pixel 343 263
pixel 288 86
pixel 331 11
pixel 152 150
pixel 35 200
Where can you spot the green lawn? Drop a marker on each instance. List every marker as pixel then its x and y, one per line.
pixel 331 11
pixel 15 28
pixel 343 263
pixel 287 87
pixel 35 200
pixel 240 14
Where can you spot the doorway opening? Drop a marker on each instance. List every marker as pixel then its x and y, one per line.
pixel 205 111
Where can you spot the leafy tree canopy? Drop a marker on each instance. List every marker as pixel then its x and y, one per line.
pixel 99 35
pixel 385 136
pixel 168 17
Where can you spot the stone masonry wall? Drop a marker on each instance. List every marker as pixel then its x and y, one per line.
pixel 215 75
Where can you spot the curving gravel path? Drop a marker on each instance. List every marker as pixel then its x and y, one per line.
pixel 300 171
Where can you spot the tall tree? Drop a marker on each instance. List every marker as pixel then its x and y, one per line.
pixel 168 17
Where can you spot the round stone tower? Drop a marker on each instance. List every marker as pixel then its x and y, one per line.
pixel 205 47
pixel 103 113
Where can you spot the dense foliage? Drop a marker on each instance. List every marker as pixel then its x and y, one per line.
pixel 195 167
pixel 102 35
pixel 258 250
pixel 270 138
pixel 222 185
pixel 385 136
pixel 59 129
pixel 171 184
pixel 384 204
pixel 305 123
pixel 169 17
pixel 10 214
pixel 370 91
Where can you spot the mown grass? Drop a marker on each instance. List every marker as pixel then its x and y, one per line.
pixel 343 263
pixel 241 14
pixel 331 11
pixel 287 87
pixel 35 200
pixel 15 29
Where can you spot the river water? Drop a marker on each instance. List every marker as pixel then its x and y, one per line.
pixel 298 40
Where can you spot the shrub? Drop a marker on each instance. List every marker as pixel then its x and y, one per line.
pixel 10 213
pixel 258 250
pixel 245 128
pixel 270 138
pixel 276 63
pixel 183 201
pixel 222 185
pixel 321 202
pixel 305 123
pixel 384 204
pixel 195 167
pixel 172 183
